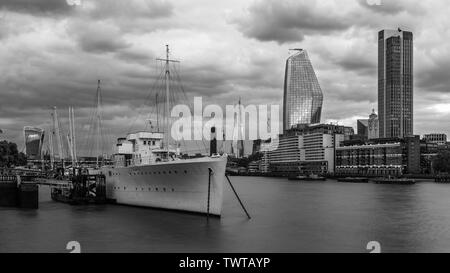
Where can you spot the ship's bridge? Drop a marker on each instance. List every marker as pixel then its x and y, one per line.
pixel 139 148
pixel 139 142
pixel 145 136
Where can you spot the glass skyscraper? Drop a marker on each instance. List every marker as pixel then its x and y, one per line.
pixel 395 83
pixel 34 139
pixel 303 96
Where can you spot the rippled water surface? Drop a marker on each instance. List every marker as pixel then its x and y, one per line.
pixel 286 217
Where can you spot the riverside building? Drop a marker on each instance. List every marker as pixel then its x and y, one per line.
pixel 307 149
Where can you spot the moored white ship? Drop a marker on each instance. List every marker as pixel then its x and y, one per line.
pixel 148 173
pixel 142 178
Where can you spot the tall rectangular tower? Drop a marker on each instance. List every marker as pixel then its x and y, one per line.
pixel 395 83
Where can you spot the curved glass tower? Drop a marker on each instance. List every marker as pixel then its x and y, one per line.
pixel 34 138
pixel 303 96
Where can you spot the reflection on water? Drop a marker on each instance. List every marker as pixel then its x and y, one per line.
pixel 286 217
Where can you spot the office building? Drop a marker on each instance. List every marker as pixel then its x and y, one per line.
pixel 362 128
pixel 395 83
pixel 368 128
pixel 306 150
pixel 34 139
pixel 373 129
pixel 380 157
pixel 303 96
pixel 440 139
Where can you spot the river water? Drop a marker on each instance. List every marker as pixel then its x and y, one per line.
pixel 287 216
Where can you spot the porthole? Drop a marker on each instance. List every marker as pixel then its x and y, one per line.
pixel 185 171
pixel 173 190
pixel 170 172
pixel 156 189
pixel 164 189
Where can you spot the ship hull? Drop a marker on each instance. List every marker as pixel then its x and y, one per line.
pixel 182 185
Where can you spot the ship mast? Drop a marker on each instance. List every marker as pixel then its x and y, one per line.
pixel 167 79
pixel 157 114
pixel 167 100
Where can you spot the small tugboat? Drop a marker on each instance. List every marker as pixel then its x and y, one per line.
pixel 395 181
pixel 354 180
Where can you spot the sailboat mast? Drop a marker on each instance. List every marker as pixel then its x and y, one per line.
pixel 98 122
pixel 70 137
pixel 58 135
pixel 52 154
pixel 167 100
pixel 74 142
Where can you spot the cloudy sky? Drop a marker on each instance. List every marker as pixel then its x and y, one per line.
pixel 52 54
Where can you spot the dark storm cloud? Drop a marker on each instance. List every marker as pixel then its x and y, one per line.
pixel 131 55
pixel 360 65
pixel 98 37
pixel 288 21
pixel 394 7
pixel 435 79
pixel 37 7
pixel 385 7
pixel 353 92
pixel 56 61
pixel 131 9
